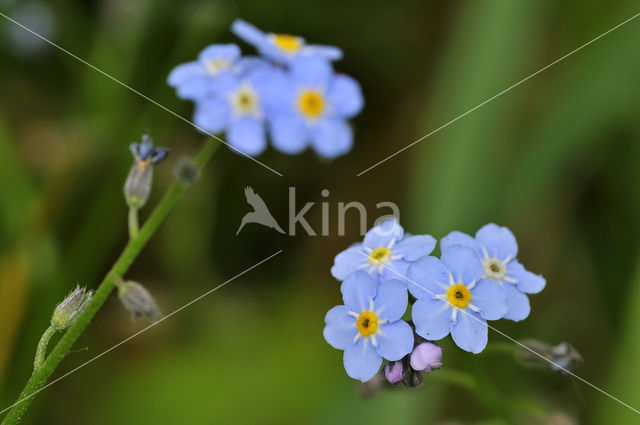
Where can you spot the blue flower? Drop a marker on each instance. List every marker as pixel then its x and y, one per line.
pixel 368 326
pixel 310 105
pixel 497 247
pixel 385 251
pixel 453 298
pixel 236 106
pixel 282 47
pixel 198 79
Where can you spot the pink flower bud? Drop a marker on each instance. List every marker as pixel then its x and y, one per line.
pixel 426 357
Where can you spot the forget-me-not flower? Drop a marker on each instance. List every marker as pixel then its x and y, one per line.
pixel 236 107
pixel 385 251
pixel 310 105
pixel 199 79
pixel 453 298
pixel 368 326
pixel 281 47
pixel 497 248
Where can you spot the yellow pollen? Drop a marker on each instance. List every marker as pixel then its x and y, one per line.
pixel 311 103
pixel 286 42
pixel 367 323
pixel 380 255
pixel 459 296
pixel 142 164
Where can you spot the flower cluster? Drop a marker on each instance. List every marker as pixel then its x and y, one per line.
pixel 290 92
pixel 474 280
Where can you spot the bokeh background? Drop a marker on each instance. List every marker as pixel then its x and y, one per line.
pixel 555 159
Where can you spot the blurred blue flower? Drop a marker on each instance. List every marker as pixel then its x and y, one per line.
pixel 497 248
pixel 199 79
pixel 281 47
pixel 453 298
pixel 386 252
pixel 236 106
pixel 368 326
pixel 310 105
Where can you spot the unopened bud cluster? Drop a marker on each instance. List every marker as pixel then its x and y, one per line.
pixel 425 357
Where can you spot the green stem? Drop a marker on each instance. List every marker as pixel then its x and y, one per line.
pixel 131 250
pixel 134 228
pixel 41 351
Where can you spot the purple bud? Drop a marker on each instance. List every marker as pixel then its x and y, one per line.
pixel 394 372
pixel 426 357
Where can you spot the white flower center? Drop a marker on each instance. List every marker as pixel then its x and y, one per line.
pixel 494 269
pixel 217 65
pixel 245 101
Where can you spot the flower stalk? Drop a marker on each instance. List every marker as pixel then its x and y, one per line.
pixel 129 254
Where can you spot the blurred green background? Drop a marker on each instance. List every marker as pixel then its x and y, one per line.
pixel 555 159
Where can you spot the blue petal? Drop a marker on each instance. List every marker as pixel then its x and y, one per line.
pixel 311 72
pixel 499 241
pixel 397 269
pixel 527 282
pixel 395 340
pixel 469 331
pixel 332 138
pixel 463 262
pixel 229 52
pixel 414 247
pixel 327 52
pixel 361 361
pixel 391 301
pixel 427 277
pixel 248 33
pixel 382 234
pixel 211 115
pixel 347 262
pixel 183 73
pixel 432 318
pixel 490 298
pixel 358 290
pixel 275 91
pixel 340 330
pixel 289 134
pixel 459 238
pixel 344 97
pixel 247 135
pixel 518 303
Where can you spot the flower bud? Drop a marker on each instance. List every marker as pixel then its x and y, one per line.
pixel 426 357
pixel 67 311
pixel 138 184
pixel 138 301
pixel 560 358
pixel 186 170
pixel 394 372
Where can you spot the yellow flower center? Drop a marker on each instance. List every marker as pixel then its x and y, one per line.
pixel 380 255
pixel 245 100
pixel 215 66
pixel 286 42
pixel 367 323
pixel 311 103
pixel 459 296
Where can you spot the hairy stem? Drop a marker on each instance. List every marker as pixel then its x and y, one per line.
pixel 41 351
pixel 131 250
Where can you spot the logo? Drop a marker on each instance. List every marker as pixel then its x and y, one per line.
pixel 261 214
